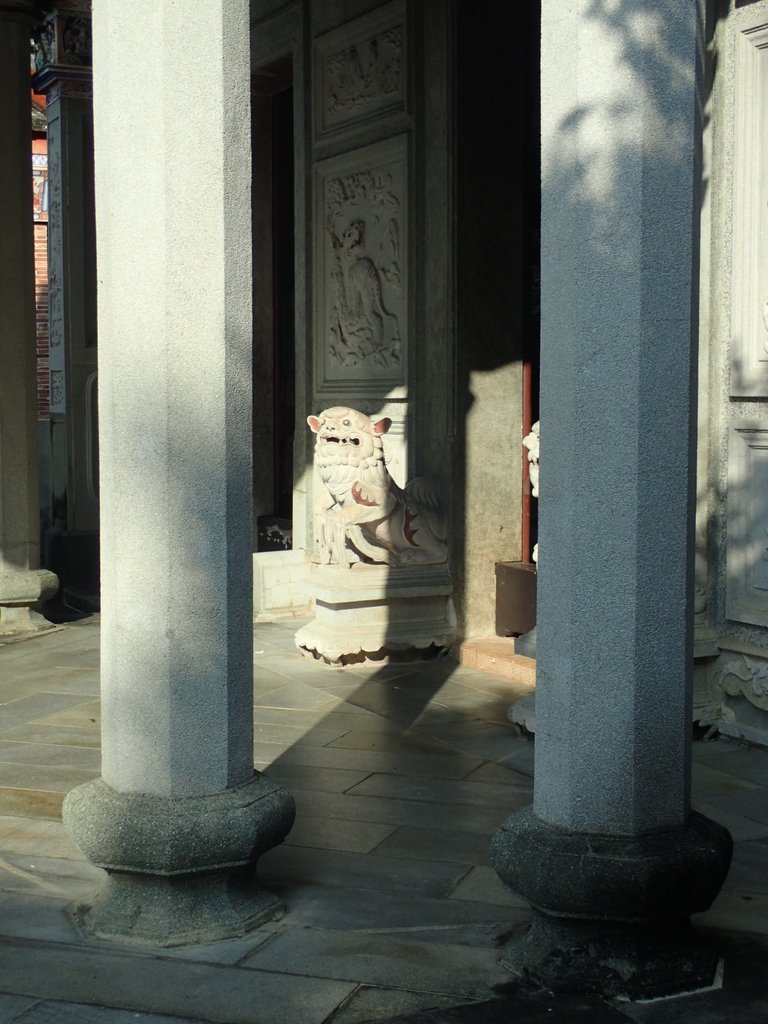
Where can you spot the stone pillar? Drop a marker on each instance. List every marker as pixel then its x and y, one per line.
pixel 63 66
pixel 22 583
pixel 610 855
pixel 178 818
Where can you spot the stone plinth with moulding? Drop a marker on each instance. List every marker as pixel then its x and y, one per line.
pixel 376 611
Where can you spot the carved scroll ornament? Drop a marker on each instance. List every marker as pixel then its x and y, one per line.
pixel 740 675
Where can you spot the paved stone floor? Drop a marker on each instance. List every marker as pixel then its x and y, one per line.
pixel 400 775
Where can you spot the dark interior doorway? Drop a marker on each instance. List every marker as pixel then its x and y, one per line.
pixel 273 305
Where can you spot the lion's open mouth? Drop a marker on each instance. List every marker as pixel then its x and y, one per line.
pixel 342 440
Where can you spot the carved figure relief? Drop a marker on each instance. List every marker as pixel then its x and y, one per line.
pixel 364 515
pixel 359 75
pixel 364 293
pixel 363 330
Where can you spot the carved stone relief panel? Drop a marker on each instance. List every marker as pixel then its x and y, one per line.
pixel 360 69
pixel 747 555
pixel 749 312
pixel 741 675
pixel 361 254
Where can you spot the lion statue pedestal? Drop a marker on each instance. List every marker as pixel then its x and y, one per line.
pixel 373 612
pixel 382 585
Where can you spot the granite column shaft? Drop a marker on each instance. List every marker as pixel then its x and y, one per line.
pixel 179 817
pixel 610 837
pixel 22 583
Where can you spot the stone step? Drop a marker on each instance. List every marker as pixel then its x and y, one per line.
pixel 496 656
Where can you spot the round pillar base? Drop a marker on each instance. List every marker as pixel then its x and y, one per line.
pixel 180 869
pixel 612 960
pixel 21 591
pixel 179 910
pixel 19 621
pixel 611 912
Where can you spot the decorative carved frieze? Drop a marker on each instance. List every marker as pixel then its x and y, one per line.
pixel 361 263
pixel 747 523
pixel 749 297
pixel 58 398
pixel 742 675
pixel 62 51
pixel 360 69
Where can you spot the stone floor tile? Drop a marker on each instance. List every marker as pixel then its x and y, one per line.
pixel 292 717
pixel 40 706
pixel 52 877
pixel 288 735
pixel 313 905
pixel 330 834
pixel 708 781
pixel 454 767
pixel 737 911
pixel 501 774
pixel 522 757
pixel 161 985
pixel 81 1013
pixel 484 885
pixel 24 681
pixel 445 791
pixel 747 803
pixel 35 803
pixel 227 951
pixel 383 960
pixel 81 715
pixel 44 777
pixel 740 827
pixel 372 1004
pixel 285 865
pixel 748 763
pixel 483 706
pixel 54 734
pixel 749 868
pixel 292 668
pixel 490 741
pixel 12 1006
pixel 434 844
pixel 393 670
pixel 53 755
pixel 324 780
pixel 418 813
pixel 36 837
pixel 391 739
pixel 44 918
pixel 297 695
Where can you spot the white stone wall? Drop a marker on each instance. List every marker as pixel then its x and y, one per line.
pixel 732 530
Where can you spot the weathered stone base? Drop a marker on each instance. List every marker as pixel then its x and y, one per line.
pixel 278 585
pixel 20 593
pixel 604 904
pixel 180 870
pixel 612 960
pixel 179 910
pixel 376 611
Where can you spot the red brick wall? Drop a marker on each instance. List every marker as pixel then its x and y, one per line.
pixel 39 177
pixel 41 320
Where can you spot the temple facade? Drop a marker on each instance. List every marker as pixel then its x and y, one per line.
pixel 267 217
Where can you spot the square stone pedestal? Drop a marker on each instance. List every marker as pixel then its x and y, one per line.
pixel 376 611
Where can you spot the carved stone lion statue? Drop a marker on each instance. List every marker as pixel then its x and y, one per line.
pixel 365 516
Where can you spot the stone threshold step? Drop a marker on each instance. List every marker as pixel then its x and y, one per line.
pixel 495 655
